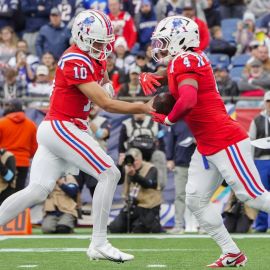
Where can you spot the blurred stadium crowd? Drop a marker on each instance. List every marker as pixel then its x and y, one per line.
pixel 34 34
pixel 235 34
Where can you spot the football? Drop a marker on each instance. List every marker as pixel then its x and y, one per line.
pixel 163 103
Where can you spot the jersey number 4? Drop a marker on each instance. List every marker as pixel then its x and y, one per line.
pixel 80 73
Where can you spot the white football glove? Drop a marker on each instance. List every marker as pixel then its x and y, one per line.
pixel 108 88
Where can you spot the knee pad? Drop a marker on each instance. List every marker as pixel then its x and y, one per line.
pixel 193 203
pixel 39 193
pixel 114 174
pixel 262 202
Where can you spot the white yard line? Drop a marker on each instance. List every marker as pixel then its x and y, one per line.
pixel 132 236
pixel 38 250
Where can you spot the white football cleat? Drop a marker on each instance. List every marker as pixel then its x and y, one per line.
pixel 108 252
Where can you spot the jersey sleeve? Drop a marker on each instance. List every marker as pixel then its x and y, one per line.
pixel 186 67
pixel 78 72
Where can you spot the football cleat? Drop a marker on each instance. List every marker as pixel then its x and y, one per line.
pixel 230 260
pixel 108 252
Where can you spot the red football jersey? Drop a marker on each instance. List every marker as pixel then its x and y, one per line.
pixel 74 67
pixel 209 122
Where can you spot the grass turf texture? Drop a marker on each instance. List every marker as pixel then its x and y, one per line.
pixel 173 253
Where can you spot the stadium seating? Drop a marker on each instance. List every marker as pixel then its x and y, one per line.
pixel 219 59
pixel 236 73
pixel 239 60
pixel 229 28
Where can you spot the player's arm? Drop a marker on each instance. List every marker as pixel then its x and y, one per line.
pixel 96 94
pixel 149 81
pixel 187 90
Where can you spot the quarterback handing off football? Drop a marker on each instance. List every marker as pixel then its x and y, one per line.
pixel 163 103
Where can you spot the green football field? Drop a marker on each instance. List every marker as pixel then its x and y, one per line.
pixel 67 252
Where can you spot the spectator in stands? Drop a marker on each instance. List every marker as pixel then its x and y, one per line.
pixel 165 8
pixel 260 128
pixel 180 146
pixel 48 60
pixel 263 56
pixel 8 42
pixel 142 195
pixel 116 75
pixel 226 86
pixel 212 15
pixel 146 21
pixel 11 86
pixel 256 82
pixel 253 50
pixel 259 7
pixel 141 62
pixel 245 32
pixel 238 216
pixel 133 87
pixel 18 135
pixel 69 9
pixel 123 23
pixel 8 9
pixel 123 58
pixel 151 63
pixel 41 87
pixel 36 14
pixel 7 174
pixel 60 208
pixel 219 45
pixel 142 133
pixel 31 59
pixel 189 11
pixel 24 70
pixel 232 8
pixel 53 37
pixel 101 5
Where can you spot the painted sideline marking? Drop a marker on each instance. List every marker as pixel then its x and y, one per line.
pixel 156 265
pixel 28 266
pixel 119 236
pixel 25 250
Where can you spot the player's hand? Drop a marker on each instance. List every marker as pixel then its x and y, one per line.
pixel 161 118
pixel 148 82
pixel 170 165
pixel 149 106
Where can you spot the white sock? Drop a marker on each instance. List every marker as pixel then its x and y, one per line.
pixel 101 206
pixel 212 223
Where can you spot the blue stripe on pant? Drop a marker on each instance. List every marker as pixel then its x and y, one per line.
pixel 263 166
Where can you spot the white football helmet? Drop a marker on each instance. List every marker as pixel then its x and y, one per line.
pixel 92 26
pixel 174 35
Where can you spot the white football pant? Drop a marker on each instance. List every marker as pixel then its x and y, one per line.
pixel 62 145
pixel 234 165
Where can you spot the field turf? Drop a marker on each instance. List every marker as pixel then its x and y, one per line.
pixel 67 252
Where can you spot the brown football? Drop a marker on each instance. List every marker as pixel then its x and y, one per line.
pixel 163 103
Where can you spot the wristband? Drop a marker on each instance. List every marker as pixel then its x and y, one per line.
pixel 108 89
pixel 168 122
pixel 99 133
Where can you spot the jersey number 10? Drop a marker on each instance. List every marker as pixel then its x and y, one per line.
pixel 80 73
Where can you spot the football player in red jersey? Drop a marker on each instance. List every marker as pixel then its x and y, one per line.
pixel 80 79
pixel 223 147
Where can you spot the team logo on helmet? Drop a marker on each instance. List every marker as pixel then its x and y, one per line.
pixel 86 23
pixel 178 26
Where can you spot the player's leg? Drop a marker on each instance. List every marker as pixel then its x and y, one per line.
pixel 242 175
pixel 85 153
pixel 261 222
pixel 201 185
pixel 45 170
